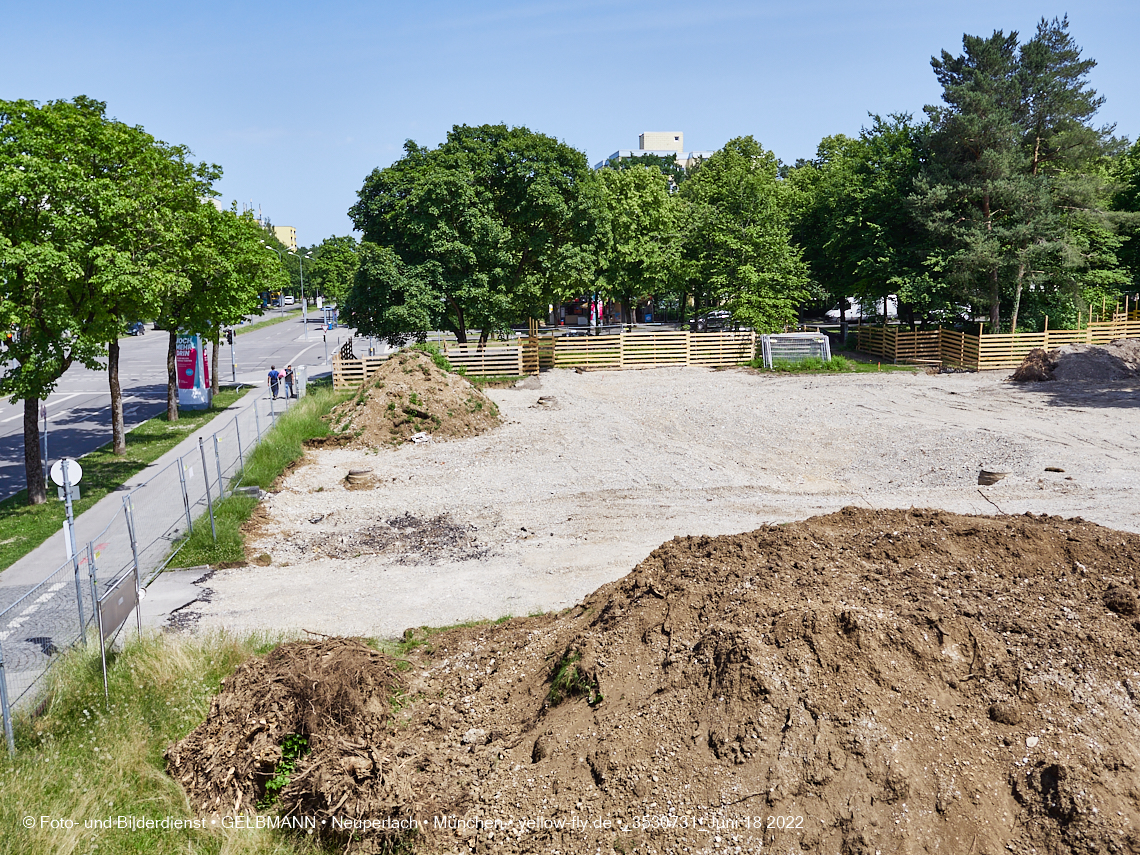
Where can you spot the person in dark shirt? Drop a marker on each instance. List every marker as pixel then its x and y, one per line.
pixel 289 390
pixel 274 380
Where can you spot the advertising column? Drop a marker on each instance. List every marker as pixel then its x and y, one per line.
pixel 193 369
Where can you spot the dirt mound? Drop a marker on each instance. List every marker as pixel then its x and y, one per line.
pixel 894 681
pixel 409 395
pixel 1037 367
pixel 1119 360
pixel 302 730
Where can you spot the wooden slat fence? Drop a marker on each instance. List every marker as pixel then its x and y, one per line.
pixel 488 361
pixel 618 351
pixel 350 373
pixel 987 351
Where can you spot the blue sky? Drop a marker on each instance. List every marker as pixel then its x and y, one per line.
pixel 298 102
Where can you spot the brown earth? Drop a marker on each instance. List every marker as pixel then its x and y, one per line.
pixel 410 395
pixel 1119 360
pixel 861 682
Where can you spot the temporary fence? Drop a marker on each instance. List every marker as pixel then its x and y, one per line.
pixel 624 350
pixel 143 535
pixel 984 350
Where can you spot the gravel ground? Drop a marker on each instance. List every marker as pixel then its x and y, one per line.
pixel 574 491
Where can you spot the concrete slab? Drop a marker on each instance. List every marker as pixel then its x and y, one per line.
pixel 171 591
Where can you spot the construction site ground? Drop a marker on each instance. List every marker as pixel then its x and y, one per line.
pixel 590 472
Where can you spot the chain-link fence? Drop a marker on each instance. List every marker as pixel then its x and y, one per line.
pixel 41 621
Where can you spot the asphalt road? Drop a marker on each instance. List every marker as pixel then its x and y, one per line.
pixel 79 410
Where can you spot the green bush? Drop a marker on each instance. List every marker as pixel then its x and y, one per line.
pixel 432 350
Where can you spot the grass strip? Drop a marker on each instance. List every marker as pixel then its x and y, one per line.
pixel 835 365
pixel 279 319
pixel 86 762
pixel 282 446
pixel 23 527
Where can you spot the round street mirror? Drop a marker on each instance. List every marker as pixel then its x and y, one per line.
pixel 74 471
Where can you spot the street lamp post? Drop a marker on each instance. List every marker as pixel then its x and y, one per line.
pixel 304 307
pixel 280 299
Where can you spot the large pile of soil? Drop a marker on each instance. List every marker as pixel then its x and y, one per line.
pixel 861 682
pixel 410 395
pixel 1119 360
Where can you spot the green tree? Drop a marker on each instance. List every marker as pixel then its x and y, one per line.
pixel 483 220
pixel 83 200
pixel 391 300
pixel 856 226
pixel 1126 199
pixel 640 245
pixel 333 268
pixel 736 237
pixel 665 164
pixel 1011 192
pixel 216 267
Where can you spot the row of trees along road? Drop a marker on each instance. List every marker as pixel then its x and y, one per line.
pixel 1006 200
pixel 102 225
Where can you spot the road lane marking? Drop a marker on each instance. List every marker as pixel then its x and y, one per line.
pixel 56 401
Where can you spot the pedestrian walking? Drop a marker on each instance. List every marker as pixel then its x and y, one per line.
pixel 274 380
pixel 289 393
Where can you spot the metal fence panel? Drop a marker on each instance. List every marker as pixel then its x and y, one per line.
pixel 794 347
pixel 39 622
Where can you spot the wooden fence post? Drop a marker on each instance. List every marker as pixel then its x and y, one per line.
pixel 1045 340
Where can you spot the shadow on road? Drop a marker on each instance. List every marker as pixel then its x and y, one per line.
pixel 1085 393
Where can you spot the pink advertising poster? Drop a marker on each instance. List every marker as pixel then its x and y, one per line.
pixel 191 367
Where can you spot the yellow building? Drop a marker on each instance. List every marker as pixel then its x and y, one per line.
pixel 287 235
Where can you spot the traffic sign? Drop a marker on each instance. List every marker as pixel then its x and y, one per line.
pixel 74 471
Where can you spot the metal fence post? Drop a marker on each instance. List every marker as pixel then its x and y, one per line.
pixel 257 421
pixel 135 554
pixel 91 570
pixel 209 498
pixel 79 597
pixel 218 463
pixel 185 497
pixel 241 458
pixel 5 710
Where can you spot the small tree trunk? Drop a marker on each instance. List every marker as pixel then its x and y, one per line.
pixel 1017 298
pixel 995 302
pixel 484 337
pixel 172 378
pixel 214 364
pixel 460 323
pixel 33 464
pixel 118 430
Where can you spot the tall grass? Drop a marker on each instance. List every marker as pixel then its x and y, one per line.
pixel 835 365
pixel 83 760
pixel 282 446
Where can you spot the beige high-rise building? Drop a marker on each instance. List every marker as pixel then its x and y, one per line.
pixel 287 235
pixel 661 141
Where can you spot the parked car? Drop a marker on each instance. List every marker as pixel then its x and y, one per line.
pixel 866 308
pixel 714 321
pixel 289 299
pixel 137 328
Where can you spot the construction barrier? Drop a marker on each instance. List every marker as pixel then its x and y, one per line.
pixel 984 351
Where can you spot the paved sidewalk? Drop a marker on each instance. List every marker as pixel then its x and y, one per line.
pixel 49 555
